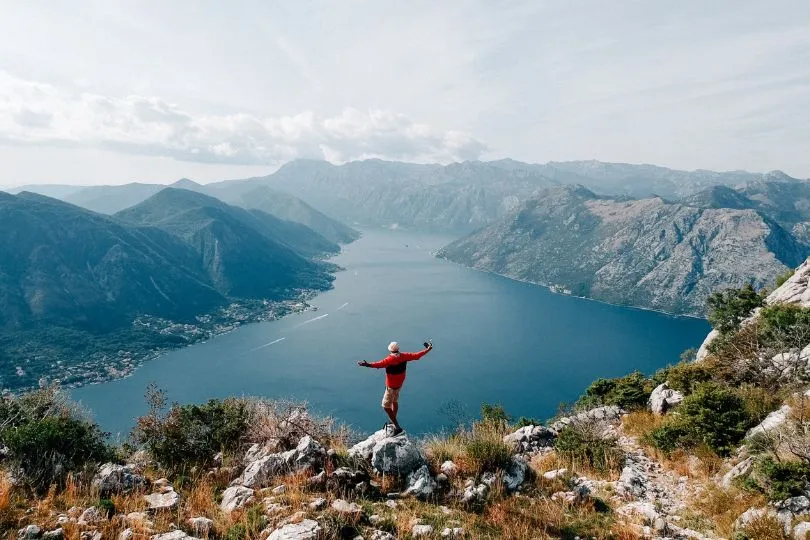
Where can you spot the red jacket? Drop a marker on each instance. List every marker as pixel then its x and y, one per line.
pixel 395 364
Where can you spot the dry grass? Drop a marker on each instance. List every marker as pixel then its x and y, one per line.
pixel 722 507
pixel 473 451
pixel 764 528
pixel 641 423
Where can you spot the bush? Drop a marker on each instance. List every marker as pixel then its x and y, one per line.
pixel 728 308
pixel 711 415
pixel 784 326
pixel 783 277
pixel 190 435
pixel 670 437
pixel 106 507
pixel 628 392
pixel 48 438
pixel 494 413
pixel 686 376
pixel 780 480
pixel 582 446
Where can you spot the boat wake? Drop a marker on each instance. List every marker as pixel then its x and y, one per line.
pixel 267 344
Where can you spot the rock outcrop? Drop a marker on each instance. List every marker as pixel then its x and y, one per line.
pixel 389 455
pixel 663 398
pixel 531 439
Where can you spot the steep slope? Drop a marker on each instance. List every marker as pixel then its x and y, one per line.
pixel 719 197
pixel 283 206
pixel 63 265
pixel 648 253
pixel 245 254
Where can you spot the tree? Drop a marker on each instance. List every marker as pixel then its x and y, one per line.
pixel 728 308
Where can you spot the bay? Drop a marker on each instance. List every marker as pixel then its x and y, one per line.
pixel 496 340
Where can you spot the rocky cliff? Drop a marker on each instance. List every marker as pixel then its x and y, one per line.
pixel 648 253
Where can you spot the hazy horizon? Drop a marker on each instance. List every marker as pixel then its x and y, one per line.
pixel 94 93
pixel 272 170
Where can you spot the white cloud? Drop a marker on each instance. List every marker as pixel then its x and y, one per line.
pixel 42 114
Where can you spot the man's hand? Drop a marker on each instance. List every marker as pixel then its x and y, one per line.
pixel 428 345
pixel 363 363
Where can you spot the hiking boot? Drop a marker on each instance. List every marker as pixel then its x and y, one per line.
pixel 397 431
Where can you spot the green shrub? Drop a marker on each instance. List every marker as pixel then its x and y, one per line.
pixel 494 413
pixel 783 277
pixel 524 421
pixel 580 446
pixel 728 308
pixel 711 415
pixel 48 438
pixel 686 376
pixel 780 480
pixel 628 392
pixel 670 437
pixel 190 435
pixel 106 507
pixel 784 326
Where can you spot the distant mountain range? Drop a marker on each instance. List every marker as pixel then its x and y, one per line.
pixel 459 197
pixel 642 252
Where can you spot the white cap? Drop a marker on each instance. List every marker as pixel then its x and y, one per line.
pixel 393 347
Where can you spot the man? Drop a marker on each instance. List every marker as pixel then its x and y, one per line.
pixel 395 364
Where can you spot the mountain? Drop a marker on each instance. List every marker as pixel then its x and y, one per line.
pixel 63 265
pixel 56 191
pixel 462 197
pixel 246 254
pixel 286 207
pixel 641 252
pixel 111 199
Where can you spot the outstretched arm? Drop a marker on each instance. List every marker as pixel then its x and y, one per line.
pixel 387 361
pixel 409 357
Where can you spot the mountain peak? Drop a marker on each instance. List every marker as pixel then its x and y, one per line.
pixel 186 183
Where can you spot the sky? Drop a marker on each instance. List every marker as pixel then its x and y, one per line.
pixel 100 92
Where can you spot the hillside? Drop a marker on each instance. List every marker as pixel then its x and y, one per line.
pixel 64 265
pixel 245 254
pixel 284 206
pixel 713 447
pixel 86 297
pixel 647 253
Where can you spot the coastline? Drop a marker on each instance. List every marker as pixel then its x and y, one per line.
pixel 550 288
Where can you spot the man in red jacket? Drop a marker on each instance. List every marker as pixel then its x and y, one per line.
pixel 395 364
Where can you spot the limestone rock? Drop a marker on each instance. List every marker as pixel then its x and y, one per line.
pixel 475 494
pixel 56 534
pixel 801 530
pixel 377 534
pixel 29 533
pixel 605 417
pixel 112 479
pixel 200 525
pixel 740 469
pixel 796 290
pixel 308 529
pixel 318 504
pixel 421 530
pixel 91 516
pixel 163 501
pixel 347 508
pixel 555 474
pixel 663 398
pixel 126 534
pixel 703 351
pixel 774 420
pixel 751 515
pixel 263 466
pixel 529 439
pixel 632 482
pixel 449 468
pixel 515 473
pixel 420 483
pixel 173 535
pixel 389 455
pixel 455 532
pixel 235 497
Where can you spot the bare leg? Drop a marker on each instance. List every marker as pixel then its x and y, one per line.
pixel 392 414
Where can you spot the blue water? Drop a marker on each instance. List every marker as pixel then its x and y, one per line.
pixel 496 340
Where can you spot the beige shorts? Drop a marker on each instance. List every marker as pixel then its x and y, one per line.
pixel 391 397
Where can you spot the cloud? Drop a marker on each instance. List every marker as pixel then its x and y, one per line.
pixel 41 114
